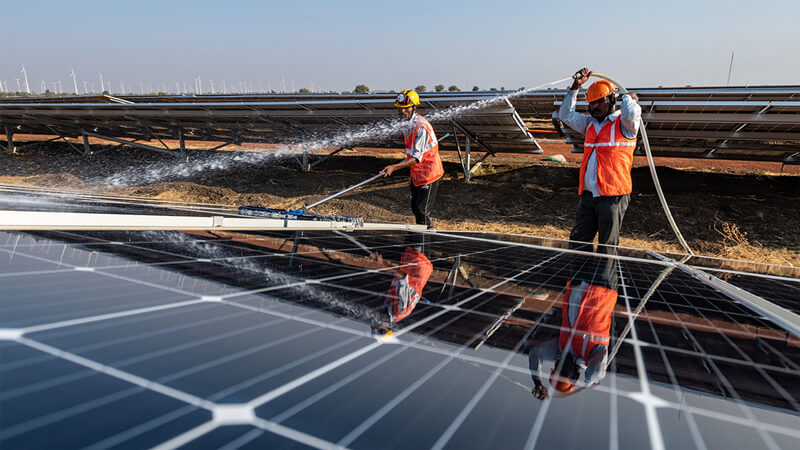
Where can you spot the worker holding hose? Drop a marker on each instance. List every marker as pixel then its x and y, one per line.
pixel 605 176
pixel 422 157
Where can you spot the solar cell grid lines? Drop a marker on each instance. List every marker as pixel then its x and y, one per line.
pixel 215 338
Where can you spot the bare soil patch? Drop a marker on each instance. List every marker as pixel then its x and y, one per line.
pixel 724 212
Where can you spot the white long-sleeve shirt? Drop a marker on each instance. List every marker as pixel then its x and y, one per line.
pixel 421 145
pixel 630 111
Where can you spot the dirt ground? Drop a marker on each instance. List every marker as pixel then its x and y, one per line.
pixel 734 210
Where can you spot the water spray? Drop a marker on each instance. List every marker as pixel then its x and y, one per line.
pixel 371 132
pixel 650 163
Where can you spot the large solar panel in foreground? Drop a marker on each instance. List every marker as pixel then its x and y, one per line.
pixel 279 340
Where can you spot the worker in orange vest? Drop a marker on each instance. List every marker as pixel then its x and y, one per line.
pixel 605 176
pixel 582 346
pixel 422 157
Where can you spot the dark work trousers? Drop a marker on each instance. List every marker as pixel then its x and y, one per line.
pixel 601 215
pixel 422 198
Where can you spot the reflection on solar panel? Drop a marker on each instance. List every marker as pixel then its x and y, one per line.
pixel 391 339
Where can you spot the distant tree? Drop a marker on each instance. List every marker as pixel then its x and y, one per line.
pixel 361 89
pixel 492 89
pixel 453 88
pixel 439 87
pixel 502 88
pixel 49 93
pixel 421 88
pixel 476 88
pixel 106 93
pixel 303 91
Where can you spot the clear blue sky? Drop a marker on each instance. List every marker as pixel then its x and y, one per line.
pixel 395 44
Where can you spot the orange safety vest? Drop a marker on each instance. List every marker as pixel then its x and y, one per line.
pixel 402 299
pixel 614 158
pixel 430 168
pixel 592 325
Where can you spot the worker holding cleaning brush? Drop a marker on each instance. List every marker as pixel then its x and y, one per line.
pixel 605 176
pixel 422 157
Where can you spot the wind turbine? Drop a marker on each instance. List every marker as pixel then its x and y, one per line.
pixel 212 87
pixel 19 89
pixel 74 80
pixel 141 88
pixel 60 91
pixel 85 87
pixel 224 87
pixel 25 74
pixel 44 86
pixel 102 84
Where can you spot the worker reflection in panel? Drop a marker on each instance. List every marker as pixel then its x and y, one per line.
pixel 582 346
pixel 410 278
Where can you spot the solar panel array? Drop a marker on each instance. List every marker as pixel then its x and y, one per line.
pixel 214 338
pixel 332 122
pixel 749 123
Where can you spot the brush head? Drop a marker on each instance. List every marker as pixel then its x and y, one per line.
pixel 296 214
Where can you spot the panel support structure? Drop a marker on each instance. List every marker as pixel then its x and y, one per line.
pixel 10 139
pixel 326 157
pixel 136 144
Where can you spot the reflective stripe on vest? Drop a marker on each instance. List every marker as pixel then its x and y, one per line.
pixel 430 168
pixel 614 154
pixel 592 325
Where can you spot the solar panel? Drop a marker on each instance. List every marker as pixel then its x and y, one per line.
pixel 282 338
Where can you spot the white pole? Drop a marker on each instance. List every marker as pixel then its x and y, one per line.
pixel 729 71
pixel 25 74
pixel 74 80
pixel 60 91
pixel 44 86
pixel 102 84
pixel 224 87
pixel 27 86
pixel 85 87
pixel 19 89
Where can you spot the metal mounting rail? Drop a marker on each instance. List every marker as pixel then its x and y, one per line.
pixel 39 220
pixel 786 319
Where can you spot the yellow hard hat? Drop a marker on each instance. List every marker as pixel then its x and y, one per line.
pixel 598 90
pixel 406 99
